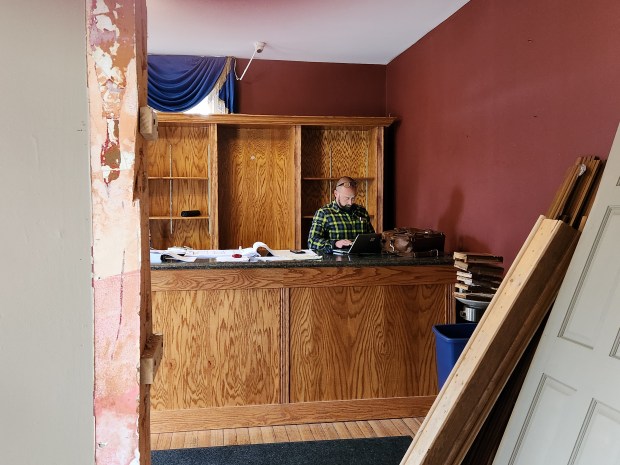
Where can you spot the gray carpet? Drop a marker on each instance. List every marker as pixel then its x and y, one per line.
pixel 365 451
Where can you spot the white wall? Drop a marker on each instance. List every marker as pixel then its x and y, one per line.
pixel 46 310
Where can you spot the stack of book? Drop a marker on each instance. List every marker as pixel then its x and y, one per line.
pixel 478 275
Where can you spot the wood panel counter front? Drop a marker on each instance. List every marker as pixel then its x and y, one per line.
pixel 267 343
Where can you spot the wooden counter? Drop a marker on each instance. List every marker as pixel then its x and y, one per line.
pixel 263 344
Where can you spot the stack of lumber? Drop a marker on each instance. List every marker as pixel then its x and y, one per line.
pixel 573 200
pixel 465 424
pixel 478 275
pixel 496 346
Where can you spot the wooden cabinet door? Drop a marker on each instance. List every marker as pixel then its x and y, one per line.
pixel 364 342
pixel 256 186
pixel 222 348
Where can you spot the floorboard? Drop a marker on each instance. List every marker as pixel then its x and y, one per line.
pixel 287 433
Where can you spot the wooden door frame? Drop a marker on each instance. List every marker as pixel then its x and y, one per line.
pixel 116 76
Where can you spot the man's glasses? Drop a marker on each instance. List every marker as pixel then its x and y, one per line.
pixel 347 184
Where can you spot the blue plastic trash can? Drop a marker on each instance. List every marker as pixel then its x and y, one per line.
pixel 450 340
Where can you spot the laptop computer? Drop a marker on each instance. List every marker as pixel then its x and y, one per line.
pixel 363 244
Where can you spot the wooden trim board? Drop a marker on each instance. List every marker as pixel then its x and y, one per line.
pixel 501 337
pixel 580 194
pixel 297 413
pixel 483 449
pixel 311 276
pixel 274 120
pixel 285 343
pixel 565 190
pixel 573 198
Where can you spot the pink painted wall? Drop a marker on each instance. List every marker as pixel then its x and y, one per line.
pixel 319 89
pixel 494 105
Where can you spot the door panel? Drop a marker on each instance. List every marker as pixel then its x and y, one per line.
pixel 540 438
pixel 595 290
pixel 600 434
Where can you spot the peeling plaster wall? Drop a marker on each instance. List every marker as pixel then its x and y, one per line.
pixel 46 302
pixel 116 70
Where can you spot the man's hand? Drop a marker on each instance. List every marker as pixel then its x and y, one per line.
pixel 343 243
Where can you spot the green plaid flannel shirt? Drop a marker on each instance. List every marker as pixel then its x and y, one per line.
pixel 332 223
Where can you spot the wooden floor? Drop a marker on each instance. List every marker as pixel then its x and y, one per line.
pixel 287 433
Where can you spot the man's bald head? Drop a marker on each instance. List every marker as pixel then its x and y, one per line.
pixel 346 182
pixel 345 192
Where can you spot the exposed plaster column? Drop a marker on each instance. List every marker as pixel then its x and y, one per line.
pixel 116 62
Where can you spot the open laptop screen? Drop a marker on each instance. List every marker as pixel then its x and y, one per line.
pixel 363 244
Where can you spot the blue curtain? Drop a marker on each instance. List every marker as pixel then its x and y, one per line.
pixel 178 82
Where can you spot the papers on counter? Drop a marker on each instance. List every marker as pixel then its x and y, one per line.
pixel 288 255
pixel 159 256
pixel 276 256
pixel 231 255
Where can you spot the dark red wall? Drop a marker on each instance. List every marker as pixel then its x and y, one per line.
pixel 494 105
pixel 320 89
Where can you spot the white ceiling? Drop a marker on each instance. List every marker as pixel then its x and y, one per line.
pixel 332 31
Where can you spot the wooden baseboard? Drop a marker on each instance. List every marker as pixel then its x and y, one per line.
pixel 169 421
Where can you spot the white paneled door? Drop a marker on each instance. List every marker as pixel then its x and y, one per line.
pixel 568 411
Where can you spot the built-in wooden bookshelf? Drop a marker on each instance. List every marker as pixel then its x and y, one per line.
pixel 179 168
pixel 256 177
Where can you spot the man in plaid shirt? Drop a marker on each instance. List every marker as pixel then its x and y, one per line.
pixel 338 223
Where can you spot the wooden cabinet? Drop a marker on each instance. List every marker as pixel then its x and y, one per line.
pixel 255 177
pixel 254 344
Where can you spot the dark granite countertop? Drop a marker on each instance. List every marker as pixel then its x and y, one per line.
pixel 327 260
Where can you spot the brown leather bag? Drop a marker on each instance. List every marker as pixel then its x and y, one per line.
pixel 412 240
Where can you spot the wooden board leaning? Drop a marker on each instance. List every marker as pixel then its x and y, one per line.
pixel 496 346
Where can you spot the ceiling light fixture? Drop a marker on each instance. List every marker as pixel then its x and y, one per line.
pixel 258 48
